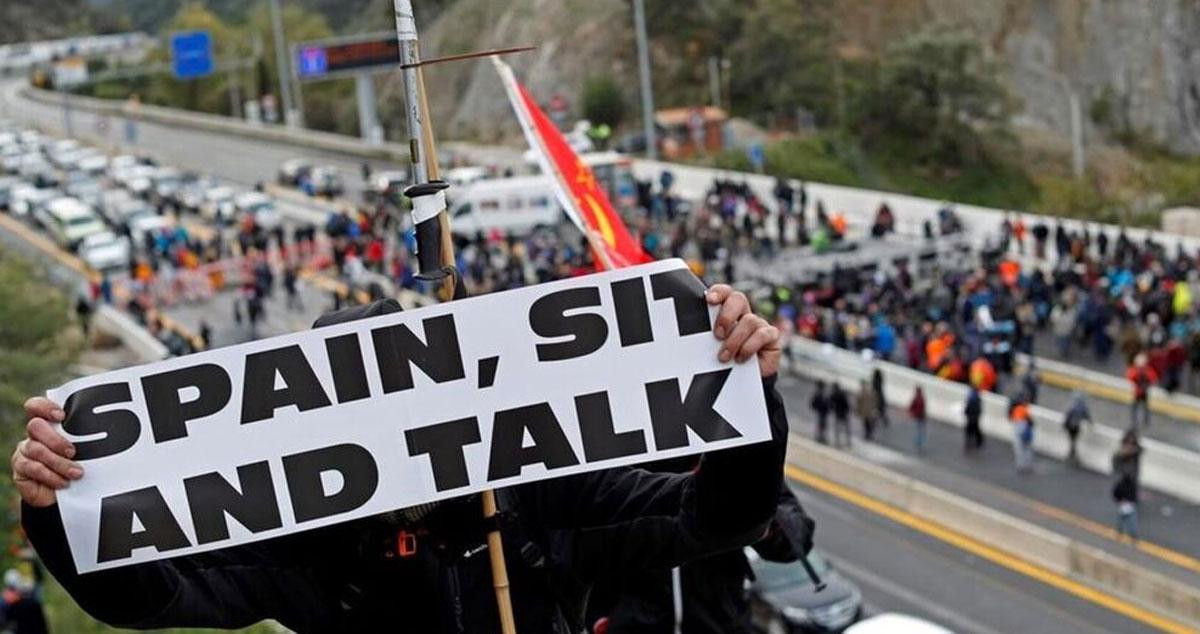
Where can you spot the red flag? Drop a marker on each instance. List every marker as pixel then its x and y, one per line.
pixel 574 183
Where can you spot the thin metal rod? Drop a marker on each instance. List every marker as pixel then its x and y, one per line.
pixel 462 56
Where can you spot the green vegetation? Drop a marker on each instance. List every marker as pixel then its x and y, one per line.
pixel 602 101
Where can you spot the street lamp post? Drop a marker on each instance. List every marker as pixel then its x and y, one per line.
pixel 639 22
pixel 281 62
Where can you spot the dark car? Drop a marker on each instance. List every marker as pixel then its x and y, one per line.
pixel 783 599
pixel 292 171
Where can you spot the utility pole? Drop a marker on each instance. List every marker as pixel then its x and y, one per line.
pixel 714 81
pixel 1077 155
pixel 281 62
pixel 639 22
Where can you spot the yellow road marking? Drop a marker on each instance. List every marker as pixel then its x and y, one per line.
pixel 1157 405
pixel 1103 530
pixel 1154 550
pixel 990 553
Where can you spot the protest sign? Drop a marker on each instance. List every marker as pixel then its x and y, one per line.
pixel 286 434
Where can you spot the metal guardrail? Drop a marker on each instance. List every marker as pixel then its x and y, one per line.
pixel 1165 468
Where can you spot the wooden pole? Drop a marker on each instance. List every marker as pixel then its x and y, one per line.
pixel 426 159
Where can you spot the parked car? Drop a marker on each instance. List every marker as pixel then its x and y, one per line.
pixel 132 207
pixel 7 183
pixel 105 251
pixel 110 202
pixel 69 221
pixel 38 172
pixel 325 180
pixel 218 204
pixel 783 599
pixel 515 206
pixel 261 207
pixel 87 190
pixel 25 200
pixel 166 181
pixel 292 170
pixel 142 221
pixel 190 195
pixel 389 184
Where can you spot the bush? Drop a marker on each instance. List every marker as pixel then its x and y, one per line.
pixel 602 101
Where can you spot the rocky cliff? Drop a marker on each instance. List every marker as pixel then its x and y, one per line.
pixel 1134 64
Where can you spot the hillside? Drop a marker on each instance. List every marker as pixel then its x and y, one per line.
pixel 31 20
pixel 1134 65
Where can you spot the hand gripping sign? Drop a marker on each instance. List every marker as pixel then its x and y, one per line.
pixel 282 435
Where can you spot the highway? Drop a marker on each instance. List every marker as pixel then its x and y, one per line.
pixel 241 160
pixel 899 565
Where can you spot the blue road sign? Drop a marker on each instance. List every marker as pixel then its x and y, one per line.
pixel 191 54
pixel 313 62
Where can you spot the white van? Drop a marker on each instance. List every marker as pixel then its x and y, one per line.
pixel 511 205
pixel 69 221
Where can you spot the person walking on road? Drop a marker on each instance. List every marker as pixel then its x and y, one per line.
pixel 877 385
pixel 867 404
pixel 840 404
pixel 1030 381
pixel 1077 413
pixel 1126 467
pixel 1063 319
pixel 973 410
pixel 1022 420
pixel 820 406
pixel 1141 376
pixel 916 409
pixel 290 278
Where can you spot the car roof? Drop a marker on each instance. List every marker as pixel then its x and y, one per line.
pixel 249 198
pixel 67 207
pixel 102 236
pixel 895 623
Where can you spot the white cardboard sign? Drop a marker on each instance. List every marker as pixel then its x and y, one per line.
pixel 286 434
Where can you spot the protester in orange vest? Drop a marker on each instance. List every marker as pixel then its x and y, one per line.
pixel 1141 376
pixel 982 374
pixel 938 346
pixel 1010 272
pixel 838 222
pixel 1019 415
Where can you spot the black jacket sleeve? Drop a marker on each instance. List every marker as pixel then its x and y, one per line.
pixel 227 589
pixel 622 519
pixel 790 535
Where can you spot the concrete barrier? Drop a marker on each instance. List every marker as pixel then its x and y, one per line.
pixel 1114 388
pixel 1014 537
pixel 981 224
pixel 111 321
pixel 1165 468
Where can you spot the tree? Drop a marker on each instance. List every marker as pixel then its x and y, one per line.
pixel 782 60
pixel 937 97
pixel 602 101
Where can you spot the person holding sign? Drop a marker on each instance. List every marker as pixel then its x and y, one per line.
pixel 421 568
